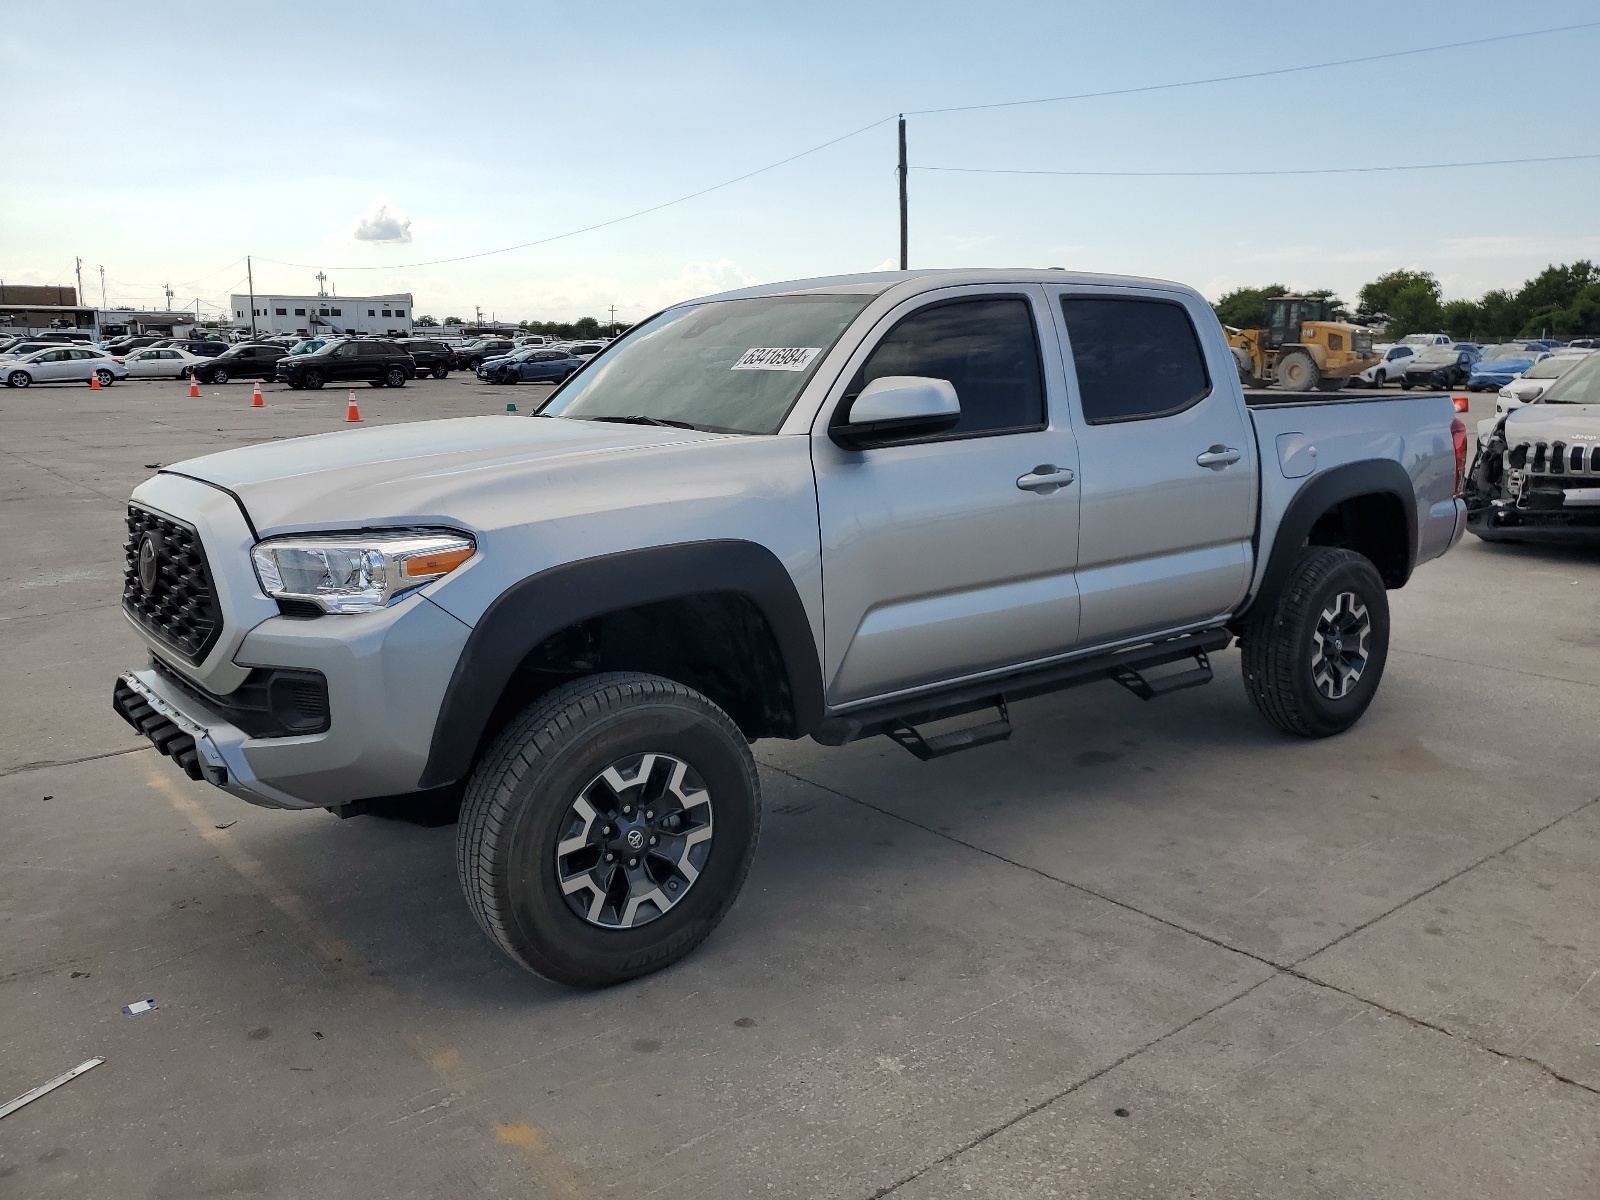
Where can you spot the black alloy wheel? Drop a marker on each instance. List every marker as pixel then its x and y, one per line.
pixel 609 828
pixel 218 375
pixel 395 377
pixel 441 371
pixel 313 380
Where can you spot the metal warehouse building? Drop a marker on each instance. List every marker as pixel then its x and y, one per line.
pixel 385 316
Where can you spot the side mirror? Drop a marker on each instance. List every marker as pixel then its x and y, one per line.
pixel 897 407
pixel 1527 394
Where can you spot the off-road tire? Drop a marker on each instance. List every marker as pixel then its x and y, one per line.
pixel 520 795
pixel 1297 372
pixel 1278 650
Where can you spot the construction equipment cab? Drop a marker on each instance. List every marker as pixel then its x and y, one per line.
pixel 1302 348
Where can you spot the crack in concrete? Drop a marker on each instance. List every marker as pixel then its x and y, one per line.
pixel 1291 969
pixel 46 764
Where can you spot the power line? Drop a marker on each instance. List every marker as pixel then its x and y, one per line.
pixel 1322 66
pixel 1489 162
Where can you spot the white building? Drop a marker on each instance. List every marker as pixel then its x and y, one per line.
pixel 383 316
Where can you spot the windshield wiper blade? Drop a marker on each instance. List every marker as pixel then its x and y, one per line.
pixel 641 420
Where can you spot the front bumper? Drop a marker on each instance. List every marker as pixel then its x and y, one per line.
pixel 386 672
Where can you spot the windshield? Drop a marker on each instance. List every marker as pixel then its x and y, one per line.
pixel 733 366
pixel 1438 354
pixel 1552 368
pixel 1580 385
pixel 1506 350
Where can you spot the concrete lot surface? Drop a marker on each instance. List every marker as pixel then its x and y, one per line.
pixel 1138 950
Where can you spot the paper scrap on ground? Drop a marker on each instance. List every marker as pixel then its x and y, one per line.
pixel 30 1097
pixel 776 358
pixel 137 1007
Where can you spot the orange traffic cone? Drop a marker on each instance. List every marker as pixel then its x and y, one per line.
pixel 94 382
pixel 194 387
pixel 256 401
pixel 352 414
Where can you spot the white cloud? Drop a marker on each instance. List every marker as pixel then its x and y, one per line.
pixel 382 224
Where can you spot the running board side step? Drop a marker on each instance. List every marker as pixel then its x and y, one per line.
pixel 899 720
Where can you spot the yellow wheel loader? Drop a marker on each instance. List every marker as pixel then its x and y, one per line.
pixel 1302 347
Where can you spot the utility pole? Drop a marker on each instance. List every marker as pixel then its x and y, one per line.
pixel 613 320
pixel 79 269
pixel 167 287
pixel 250 274
pixel 903 239
pixel 103 301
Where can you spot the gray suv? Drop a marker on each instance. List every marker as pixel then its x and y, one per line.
pixel 840 508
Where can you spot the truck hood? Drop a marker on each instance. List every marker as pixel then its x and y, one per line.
pixel 1574 424
pixel 419 472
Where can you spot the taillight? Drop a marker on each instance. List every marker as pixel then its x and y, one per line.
pixel 116 360
pixel 1458 432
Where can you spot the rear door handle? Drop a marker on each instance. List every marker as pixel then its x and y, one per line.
pixel 1218 456
pixel 1045 478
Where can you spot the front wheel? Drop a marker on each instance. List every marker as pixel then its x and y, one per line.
pixel 1314 653
pixel 219 375
pixel 1297 372
pixel 609 828
pixel 313 380
pixel 18 379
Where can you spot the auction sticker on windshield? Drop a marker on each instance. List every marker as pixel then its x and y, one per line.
pixel 776 358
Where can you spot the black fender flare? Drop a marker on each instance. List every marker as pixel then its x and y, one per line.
pixel 532 610
pixel 1382 476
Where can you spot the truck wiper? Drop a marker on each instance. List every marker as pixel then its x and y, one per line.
pixel 639 420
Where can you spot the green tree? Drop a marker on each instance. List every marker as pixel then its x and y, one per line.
pixel 426 322
pixel 1379 295
pixel 454 321
pixel 1415 309
pixel 1246 307
pixel 1460 319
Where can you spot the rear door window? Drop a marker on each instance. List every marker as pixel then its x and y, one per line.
pixel 987 348
pixel 1136 359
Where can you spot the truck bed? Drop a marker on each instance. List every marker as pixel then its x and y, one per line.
pixel 1272 398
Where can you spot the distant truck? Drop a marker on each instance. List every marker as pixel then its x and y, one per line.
pixel 839 508
pixel 1303 347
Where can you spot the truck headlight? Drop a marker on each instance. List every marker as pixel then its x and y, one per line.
pixel 357 572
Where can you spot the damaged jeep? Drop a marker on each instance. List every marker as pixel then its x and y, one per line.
pixel 1537 474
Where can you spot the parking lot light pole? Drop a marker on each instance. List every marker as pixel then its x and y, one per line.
pixel 903 191
pixel 250 274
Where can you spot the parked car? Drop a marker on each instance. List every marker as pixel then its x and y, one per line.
pixel 1426 339
pixel 200 347
pixel 26 346
pixel 536 364
pixel 432 358
pixel 63 364
pixel 379 363
pixel 161 362
pixel 1536 380
pixel 593 614
pixel 1501 363
pixel 472 354
pixel 1439 367
pixel 249 361
pixel 1584 344
pixel 312 344
pixel 126 345
pixel 586 350
pixel 1537 474
pixel 1390 366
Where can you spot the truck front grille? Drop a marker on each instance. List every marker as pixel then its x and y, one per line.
pixel 173 597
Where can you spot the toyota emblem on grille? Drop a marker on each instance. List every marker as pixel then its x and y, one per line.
pixel 147 564
pixel 635 839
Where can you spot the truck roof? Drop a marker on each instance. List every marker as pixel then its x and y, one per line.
pixel 873 283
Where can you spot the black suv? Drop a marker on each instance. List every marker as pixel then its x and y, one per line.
pixel 432 358
pixel 471 355
pixel 381 364
pixel 204 347
pixel 250 361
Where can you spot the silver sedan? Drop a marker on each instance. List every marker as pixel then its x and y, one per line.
pixel 64 364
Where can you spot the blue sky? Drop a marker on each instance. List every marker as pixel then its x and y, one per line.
pixel 166 147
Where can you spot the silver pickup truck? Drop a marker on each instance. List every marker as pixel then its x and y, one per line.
pixel 838 508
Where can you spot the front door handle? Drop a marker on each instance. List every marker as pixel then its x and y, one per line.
pixel 1219 456
pixel 1045 478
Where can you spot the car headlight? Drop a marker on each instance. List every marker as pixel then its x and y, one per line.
pixel 357 572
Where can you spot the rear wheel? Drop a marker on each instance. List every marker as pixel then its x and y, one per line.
pixel 609 828
pixel 1313 655
pixel 440 372
pixel 105 377
pixel 394 377
pixel 1297 372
